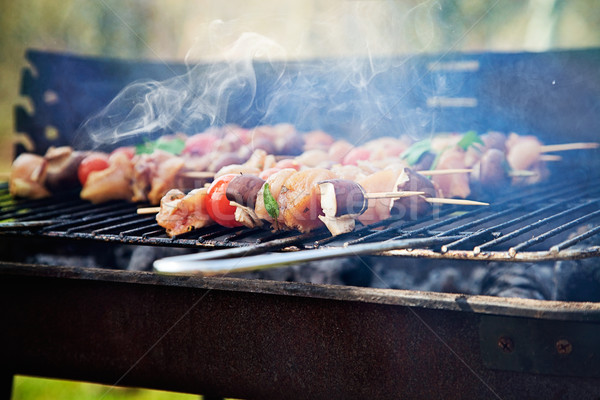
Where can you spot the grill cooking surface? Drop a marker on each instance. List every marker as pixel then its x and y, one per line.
pixel 545 222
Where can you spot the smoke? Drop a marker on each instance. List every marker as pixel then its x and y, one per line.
pixel 251 79
pixel 199 98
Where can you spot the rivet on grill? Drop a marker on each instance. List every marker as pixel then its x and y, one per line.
pixel 563 346
pixel 506 344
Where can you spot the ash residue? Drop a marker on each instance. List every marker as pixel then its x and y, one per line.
pixel 578 280
pixel 523 280
pixel 341 271
pixel 429 275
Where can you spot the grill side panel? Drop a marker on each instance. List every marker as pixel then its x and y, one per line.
pixel 252 345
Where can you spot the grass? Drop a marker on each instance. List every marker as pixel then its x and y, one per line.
pixel 30 388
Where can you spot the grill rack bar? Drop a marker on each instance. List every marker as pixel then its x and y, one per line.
pixel 518 232
pixel 474 233
pixel 512 222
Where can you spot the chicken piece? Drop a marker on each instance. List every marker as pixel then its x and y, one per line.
pixel 317 140
pixel 452 185
pixel 443 142
pixel 300 199
pixel 312 158
pixel 237 169
pixel 276 182
pixel 257 159
pixel 181 213
pixel 339 150
pixel 144 170
pixel 164 179
pixel 381 181
pixel 389 163
pixel 386 147
pixel 349 172
pixel 112 183
pixel 522 151
pixel 27 176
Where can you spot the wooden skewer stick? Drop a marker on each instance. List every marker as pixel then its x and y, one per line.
pixel 464 202
pixel 550 157
pixel 432 172
pixel 437 200
pixel 391 195
pixel 148 210
pixel 569 146
pixel 522 173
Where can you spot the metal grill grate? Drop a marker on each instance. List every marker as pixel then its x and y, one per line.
pixel 532 224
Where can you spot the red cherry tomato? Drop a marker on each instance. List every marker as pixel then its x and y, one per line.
pixel 93 162
pixel 217 205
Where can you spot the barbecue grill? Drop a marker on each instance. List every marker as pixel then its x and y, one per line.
pixel 250 338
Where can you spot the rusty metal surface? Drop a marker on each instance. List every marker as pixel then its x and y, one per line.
pixel 528 256
pixel 262 340
pixel 540 346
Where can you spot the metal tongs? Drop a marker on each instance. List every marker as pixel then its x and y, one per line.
pixel 239 259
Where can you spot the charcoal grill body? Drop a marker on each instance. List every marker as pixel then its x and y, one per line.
pixel 269 340
pixel 261 339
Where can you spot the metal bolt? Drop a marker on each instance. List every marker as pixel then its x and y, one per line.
pixel 563 346
pixel 506 344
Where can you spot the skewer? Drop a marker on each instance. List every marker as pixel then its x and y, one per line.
pixel 378 195
pixel 433 200
pixel 522 173
pixel 550 157
pixel 463 202
pixel 569 146
pixel 148 210
pixel 391 195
